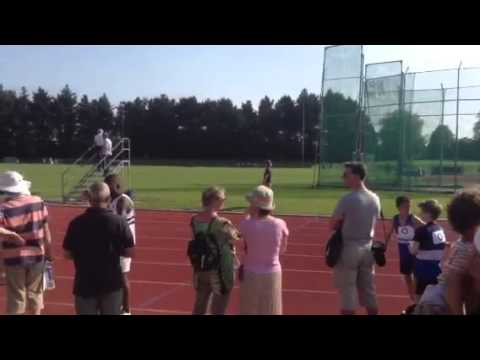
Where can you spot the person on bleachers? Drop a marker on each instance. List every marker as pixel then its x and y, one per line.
pixel 99 144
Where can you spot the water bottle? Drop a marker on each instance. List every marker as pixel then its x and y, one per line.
pixel 48 278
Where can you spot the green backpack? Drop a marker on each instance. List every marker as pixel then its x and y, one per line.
pixel 206 253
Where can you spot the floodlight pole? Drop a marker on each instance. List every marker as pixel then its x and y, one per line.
pixel 403 120
pixel 321 120
pixel 456 126
pixel 441 134
pixel 359 148
pixel 303 132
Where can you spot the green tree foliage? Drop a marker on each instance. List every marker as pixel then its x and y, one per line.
pixel 441 135
pixel 41 125
pixel 390 135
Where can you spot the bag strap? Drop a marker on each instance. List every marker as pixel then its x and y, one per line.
pixel 382 217
pixel 210 224
pixel 209 228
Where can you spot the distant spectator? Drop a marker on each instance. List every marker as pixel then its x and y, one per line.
pixel 95 241
pixel 267 175
pixel 26 243
pixel 99 143
pixel 265 238
pixel 356 214
pixel 428 246
pixel 214 264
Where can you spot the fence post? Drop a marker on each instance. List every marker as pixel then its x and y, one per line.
pixel 456 127
pixel 442 137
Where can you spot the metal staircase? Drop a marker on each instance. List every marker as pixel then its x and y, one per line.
pixel 87 169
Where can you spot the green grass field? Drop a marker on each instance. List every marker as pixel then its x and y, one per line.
pixel 171 187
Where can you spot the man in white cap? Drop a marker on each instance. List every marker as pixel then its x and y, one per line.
pixel 99 143
pixel 26 216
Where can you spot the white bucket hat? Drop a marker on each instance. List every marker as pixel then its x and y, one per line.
pixel 13 182
pixel 261 197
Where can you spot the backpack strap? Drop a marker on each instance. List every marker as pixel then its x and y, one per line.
pixel 210 224
pixel 209 229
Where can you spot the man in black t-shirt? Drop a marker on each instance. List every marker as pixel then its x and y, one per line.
pixel 95 241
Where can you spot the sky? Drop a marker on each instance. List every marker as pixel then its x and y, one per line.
pixel 241 73
pixel 237 72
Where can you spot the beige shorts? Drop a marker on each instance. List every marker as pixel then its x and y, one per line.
pixel 355 277
pixel 125 264
pixel 24 288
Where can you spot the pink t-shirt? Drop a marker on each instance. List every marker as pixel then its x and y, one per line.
pixel 263 238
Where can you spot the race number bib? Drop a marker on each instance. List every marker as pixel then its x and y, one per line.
pixel 406 233
pixel 438 237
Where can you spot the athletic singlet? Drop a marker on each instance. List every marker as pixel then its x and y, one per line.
pixel 127 215
pixel 406 232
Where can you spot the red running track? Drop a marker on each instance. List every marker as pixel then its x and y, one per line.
pixel 161 274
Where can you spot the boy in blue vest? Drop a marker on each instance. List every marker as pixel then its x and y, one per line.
pixel 428 246
pixel 404 225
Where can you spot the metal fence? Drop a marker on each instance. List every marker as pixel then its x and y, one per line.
pixel 426 125
pixel 342 74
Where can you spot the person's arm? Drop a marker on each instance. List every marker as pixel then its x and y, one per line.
pixel 48 243
pixel 389 235
pixel 337 217
pixel 455 271
pixel 454 292
pixel 417 222
pixel 286 233
pixel 414 245
pixel 127 244
pixel 68 242
pixel 11 237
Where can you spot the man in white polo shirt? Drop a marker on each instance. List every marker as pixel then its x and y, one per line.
pixel 106 152
pixel 99 143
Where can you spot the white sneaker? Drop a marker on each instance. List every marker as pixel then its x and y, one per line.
pixel 126 313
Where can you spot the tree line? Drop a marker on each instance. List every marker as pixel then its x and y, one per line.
pixel 39 125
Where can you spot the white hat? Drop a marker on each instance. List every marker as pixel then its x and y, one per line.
pixel 261 197
pixel 13 182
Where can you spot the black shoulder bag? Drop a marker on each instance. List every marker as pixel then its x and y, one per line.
pixel 334 247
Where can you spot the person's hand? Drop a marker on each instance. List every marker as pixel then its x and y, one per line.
pixel 49 255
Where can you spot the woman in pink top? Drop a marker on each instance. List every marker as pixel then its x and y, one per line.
pixel 265 239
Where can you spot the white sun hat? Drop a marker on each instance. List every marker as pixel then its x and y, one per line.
pixel 262 198
pixel 13 182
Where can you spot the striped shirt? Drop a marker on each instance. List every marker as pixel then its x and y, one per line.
pixel 27 216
